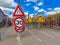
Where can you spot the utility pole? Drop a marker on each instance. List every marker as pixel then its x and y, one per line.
pixel 28 15
pixel 19 2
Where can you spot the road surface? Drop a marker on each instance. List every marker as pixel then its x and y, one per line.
pixel 44 36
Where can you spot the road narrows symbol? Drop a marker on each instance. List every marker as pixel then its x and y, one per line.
pixel 18 12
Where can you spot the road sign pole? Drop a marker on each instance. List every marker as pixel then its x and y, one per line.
pixel 20 37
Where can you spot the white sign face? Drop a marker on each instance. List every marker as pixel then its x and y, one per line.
pixel 18 12
pixel 19 22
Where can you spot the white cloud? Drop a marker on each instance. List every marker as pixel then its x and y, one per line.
pixel 57 9
pixel 11 16
pixel 49 8
pixel 36 8
pixel 31 0
pixel 31 15
pixel 26 13
pixel 41 10
pixel 6 6
pixel 8 3
pixel 7 9
pixel 50 12
pixel 40 4
pixel 54 11
pixel 28 4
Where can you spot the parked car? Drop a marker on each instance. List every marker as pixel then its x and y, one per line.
pixel 8 20
pixel 4 19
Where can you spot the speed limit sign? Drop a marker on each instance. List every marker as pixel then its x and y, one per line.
pixel 19 22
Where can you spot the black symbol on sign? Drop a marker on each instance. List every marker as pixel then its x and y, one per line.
pixel 19 22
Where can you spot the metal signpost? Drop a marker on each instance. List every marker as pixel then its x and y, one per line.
pixel 19 22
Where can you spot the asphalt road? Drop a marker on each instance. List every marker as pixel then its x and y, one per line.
pixel 44 36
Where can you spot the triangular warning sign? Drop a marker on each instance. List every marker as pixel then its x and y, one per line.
pixel 18 11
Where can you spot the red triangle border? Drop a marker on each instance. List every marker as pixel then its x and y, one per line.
pixel 20 8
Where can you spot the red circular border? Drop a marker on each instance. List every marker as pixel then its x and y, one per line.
pixel 20 31
pixel 19 18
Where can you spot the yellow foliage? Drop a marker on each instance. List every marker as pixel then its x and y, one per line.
pixel 41 19
pixel 30 20
pixel 26 20
pixel 53 17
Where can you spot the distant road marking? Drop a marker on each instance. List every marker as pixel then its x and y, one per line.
pixel 46 34
pixel 35 36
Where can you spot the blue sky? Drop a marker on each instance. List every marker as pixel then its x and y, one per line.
pixel 44 7
pixel 46 4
